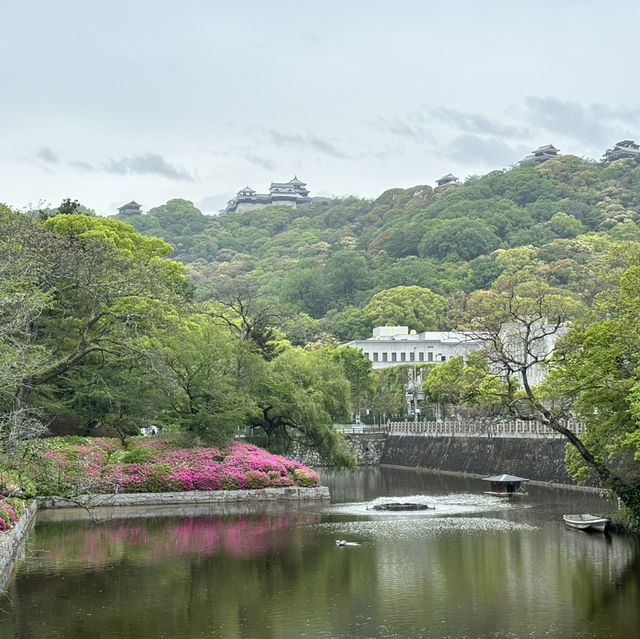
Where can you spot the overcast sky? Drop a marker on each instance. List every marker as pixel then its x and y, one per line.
pixel 155 99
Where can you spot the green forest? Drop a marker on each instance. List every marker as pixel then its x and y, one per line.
pixel 332 270
pixel 213 326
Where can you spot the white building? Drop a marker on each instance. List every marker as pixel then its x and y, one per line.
pixel 395 346
pixel 292 193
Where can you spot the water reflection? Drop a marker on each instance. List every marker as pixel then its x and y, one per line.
pixel 475 566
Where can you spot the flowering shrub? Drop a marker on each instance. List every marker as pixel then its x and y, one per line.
pixel 10 511
pixel 306 477
pixel 76 465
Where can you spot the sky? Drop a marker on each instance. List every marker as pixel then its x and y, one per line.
pixel 149 100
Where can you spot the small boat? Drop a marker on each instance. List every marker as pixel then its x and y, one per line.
pixel 505 485
pixel 396 505
pixel 586 522
pixel 344 542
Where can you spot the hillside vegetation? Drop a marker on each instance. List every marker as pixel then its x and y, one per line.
pixel 325 267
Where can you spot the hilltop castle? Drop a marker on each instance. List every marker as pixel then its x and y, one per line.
pixel 291 193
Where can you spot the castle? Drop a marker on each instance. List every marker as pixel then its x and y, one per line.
pixel 290 193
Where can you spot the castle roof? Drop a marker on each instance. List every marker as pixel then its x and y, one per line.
pixel 548 148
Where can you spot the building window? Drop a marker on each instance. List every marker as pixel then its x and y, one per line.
pixel 393 357
pixel 421 357
pixel 375 357
pixel 430 356
pixel 403 357
pixel 443 358
pixel 412 356
pixel 384 357
pixel 367 355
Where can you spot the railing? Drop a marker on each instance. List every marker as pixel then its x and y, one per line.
pixel 363 429
pixel 480 428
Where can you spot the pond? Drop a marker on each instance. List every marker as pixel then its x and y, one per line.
pixel 473 566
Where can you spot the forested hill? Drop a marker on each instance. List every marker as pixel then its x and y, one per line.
pixel 338 269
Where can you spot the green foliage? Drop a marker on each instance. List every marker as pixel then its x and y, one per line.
pixel 297 399
pixel 418 308
pixel 460 239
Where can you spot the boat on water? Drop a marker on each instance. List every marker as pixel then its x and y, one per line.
pixel 586 522
pixel 396 505
pixel 505 485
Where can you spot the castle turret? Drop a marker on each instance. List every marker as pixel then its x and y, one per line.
pixel 132 208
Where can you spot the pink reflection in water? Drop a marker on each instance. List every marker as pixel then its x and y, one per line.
pixel 242 536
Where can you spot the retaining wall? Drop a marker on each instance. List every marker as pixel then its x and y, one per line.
pixel 538 459
pixel 12 542
pixel 257 495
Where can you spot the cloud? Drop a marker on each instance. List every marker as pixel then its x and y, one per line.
pixel 45 154
pixel 487 151
pixel 595 123
pixel 305 142
pixel 474 123
pixel 265 163
pixel 408 128
pixel 148 164
pixel 214 203
pixel 85 166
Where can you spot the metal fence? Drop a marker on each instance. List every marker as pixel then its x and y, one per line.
pixel 480 428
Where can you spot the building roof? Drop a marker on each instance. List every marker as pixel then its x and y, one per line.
pixel 503 478
pixel 297 182
pixel 131 204
pixel 548 148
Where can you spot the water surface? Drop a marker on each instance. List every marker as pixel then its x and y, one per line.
pixel 474 566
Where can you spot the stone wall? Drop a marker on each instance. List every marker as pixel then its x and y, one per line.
pixel 537 459
pixel 257 495
pixel 368 448
pixel 12 542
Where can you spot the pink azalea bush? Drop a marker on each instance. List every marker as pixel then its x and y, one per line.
pixel 154 465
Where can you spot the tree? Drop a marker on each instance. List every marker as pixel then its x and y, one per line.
pixel 389 395
pixel 463 384
pixel 67 207
pixel 350 323
pixel 100 286
pixel 298 396
pixel 196 365
pixel 594 371
pixel 458 239
pixel 304 288
pixel 359 371
pixel 347 271
pixel 418 308
pixel 239 306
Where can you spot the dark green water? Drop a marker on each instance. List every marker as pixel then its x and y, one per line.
pixel 476 566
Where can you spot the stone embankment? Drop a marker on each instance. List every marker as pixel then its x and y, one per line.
pixel 539 459
pixel 293 493
pixel 12 542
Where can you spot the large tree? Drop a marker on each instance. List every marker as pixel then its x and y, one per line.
pixel 414 306
pixel 297 398
pixel 97 286
pixel 595 373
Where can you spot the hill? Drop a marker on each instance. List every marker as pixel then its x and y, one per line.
pixel 323 264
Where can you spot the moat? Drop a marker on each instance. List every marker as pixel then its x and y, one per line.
pixel 473 566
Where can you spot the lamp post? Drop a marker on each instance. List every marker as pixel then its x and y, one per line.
pixel 415 388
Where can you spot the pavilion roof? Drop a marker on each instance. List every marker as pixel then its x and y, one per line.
pixel 504 478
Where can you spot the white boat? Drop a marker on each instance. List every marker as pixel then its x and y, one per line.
pixel 586 522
